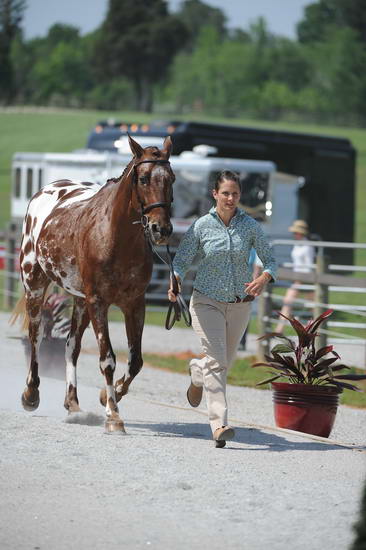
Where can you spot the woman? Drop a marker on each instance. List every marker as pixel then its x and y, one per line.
pixel 303 259
pixel 223 290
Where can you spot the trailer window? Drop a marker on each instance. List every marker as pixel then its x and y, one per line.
pixel 190 194
pixel 17 176
pixel 29 183
pixel 254 195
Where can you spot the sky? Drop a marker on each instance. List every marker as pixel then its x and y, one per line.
pixel 87 15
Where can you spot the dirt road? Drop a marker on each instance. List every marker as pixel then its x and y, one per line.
pixel 164 485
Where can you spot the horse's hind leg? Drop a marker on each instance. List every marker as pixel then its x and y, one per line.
pixel 36 287
pixel 79 322
pixel 107 362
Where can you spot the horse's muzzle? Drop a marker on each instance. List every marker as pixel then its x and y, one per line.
pixel 160 233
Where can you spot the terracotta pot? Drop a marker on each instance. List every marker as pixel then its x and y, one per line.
pixel 305 408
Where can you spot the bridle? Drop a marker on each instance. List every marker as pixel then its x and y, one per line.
pixel 179 307
pixel 147 208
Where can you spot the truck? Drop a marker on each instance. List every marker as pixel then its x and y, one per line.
pixel 325 165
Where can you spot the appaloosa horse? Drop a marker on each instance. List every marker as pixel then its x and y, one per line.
pixel 94 242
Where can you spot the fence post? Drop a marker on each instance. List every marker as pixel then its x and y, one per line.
pixel 264 321
pixel 321 293
pixel 9 285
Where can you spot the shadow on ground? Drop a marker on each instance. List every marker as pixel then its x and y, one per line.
pixel 251 438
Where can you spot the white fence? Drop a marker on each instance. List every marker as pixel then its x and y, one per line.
pixel 321 281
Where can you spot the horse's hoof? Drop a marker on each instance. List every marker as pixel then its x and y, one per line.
pixel 30 405
pixel 72 409
pixel 114 426
pixel 103 397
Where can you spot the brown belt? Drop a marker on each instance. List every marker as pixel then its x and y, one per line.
pixel 248 298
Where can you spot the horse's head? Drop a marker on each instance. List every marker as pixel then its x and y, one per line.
pixel 153 188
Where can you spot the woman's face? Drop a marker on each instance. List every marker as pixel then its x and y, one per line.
pixel 228 196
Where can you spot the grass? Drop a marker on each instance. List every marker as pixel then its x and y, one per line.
pixel 241 374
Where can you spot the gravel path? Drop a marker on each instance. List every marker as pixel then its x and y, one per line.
pixel 164 485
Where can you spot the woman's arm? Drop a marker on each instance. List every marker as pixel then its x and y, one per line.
pixel 184 257
pixel 265 254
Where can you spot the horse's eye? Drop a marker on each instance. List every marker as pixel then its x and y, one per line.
pixel 144 180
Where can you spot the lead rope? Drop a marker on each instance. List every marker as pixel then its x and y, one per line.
pixel 179 307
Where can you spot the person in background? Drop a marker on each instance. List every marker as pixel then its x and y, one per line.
pixel 303 259
pixel 222 291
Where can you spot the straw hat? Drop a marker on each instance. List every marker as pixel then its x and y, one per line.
pixel 299 226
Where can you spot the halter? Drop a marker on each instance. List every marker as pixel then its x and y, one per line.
pixel 149 207
pixel 180 307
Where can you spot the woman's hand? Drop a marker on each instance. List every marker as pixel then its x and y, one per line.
pixel 255 288
pixel 171 295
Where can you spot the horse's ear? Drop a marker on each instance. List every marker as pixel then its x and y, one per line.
pixel 167 146
pixel 136 148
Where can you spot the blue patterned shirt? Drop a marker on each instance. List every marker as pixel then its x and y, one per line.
pixel 224 252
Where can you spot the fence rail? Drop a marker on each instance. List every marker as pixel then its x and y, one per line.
pixel 322 281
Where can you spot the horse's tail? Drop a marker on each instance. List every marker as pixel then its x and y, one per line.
pixel 20 311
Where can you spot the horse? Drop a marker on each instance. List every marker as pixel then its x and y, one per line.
pixel 95 243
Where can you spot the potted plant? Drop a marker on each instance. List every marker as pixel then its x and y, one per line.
pixel 306 384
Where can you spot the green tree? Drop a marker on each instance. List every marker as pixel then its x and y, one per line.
pixel 138 40
pixel 340 13
pixel 11 14
pixel 63 77
pixel 55 69
pixel 338 74
pixel 289 64
pixel 195 15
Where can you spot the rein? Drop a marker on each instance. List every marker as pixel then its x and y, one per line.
pixel 180 307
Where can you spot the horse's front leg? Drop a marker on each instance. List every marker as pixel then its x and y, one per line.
pixel 134 321
pixel 107 361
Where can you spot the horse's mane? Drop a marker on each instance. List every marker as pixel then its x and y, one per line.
pixel 116 180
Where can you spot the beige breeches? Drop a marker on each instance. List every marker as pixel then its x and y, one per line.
pixel 220 326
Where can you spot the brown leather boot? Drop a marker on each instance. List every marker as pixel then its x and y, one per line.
pixel 223 434
pixel 194 395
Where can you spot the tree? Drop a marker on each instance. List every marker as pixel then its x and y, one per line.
pixel 55 68
pixel 62 76
pixel 195 14
pixel 339 13
pixel 338 74
pixel 138 40
pixel 11 14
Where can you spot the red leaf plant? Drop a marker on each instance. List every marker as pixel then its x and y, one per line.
pixel 300 363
